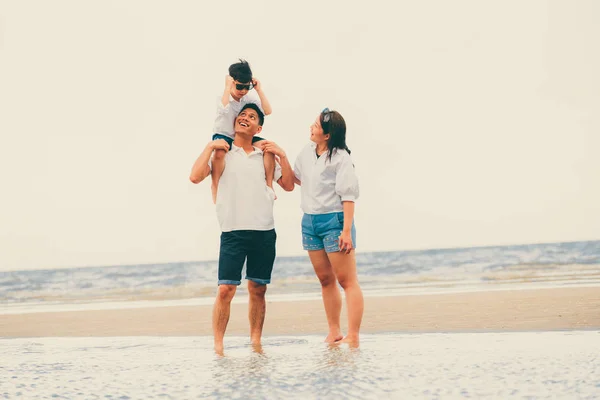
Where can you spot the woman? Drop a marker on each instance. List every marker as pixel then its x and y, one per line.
pixel 329 188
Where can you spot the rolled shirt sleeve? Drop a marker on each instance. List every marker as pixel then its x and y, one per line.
pixel 224 119
pixel 278 173
pixel 297 169
pixel 346 181
pixel 230 109
pixel 221 109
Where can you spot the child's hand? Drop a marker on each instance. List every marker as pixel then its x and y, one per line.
pixel 256 84
pixel 229 82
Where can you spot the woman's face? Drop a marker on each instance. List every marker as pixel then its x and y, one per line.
pixel 316 132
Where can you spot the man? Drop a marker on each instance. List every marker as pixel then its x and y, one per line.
pixel 245 212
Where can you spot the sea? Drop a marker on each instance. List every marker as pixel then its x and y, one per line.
pixel 394 365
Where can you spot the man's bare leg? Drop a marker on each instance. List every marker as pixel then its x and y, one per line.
pixel 256 311
pixel 344 267
pixel 257 348
pixel 220 316
pixel 332 299
pixel 218 165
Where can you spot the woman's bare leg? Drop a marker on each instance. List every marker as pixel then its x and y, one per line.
pixel 344 267
pixel 332 299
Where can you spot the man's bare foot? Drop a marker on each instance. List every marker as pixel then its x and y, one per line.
pixel 219 349
pixel 333 338
pixel 257 348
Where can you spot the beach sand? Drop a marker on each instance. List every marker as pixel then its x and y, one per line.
pixel 506 310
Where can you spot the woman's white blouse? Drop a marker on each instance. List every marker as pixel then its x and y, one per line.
pixel 325 183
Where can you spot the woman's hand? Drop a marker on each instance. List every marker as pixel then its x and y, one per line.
pixel 346 244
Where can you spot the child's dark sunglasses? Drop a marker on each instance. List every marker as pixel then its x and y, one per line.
pixel 244 86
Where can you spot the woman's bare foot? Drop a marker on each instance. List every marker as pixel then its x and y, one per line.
pixel 351 340
pixel 334 337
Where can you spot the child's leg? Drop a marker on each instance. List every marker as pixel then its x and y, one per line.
pixel 269 161
pixel 218 165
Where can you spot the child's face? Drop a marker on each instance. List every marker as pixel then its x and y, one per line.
pixel 316 132
pixel 236 93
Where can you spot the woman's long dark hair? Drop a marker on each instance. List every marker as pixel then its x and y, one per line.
pixel 335 127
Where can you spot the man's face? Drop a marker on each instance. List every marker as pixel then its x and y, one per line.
pixel 247 122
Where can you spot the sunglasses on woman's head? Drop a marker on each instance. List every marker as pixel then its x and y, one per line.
pixel 244 86
pixel 326 118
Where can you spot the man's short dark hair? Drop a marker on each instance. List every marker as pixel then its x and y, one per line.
pixel 255 107
pixel 241 71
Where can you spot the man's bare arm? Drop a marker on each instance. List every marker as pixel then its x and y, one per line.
pixel 201 169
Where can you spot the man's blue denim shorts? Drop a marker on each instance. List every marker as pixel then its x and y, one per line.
pixel 322 231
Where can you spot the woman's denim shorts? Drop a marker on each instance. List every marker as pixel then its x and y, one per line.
pixel 322 231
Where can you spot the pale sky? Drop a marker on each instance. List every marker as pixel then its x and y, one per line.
pixel 470 122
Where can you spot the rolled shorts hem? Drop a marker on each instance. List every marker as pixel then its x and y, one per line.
pixel 332 247
pixel 228 282
pixel 313 247
pixel 259 281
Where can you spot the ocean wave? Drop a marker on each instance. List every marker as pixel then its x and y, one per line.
pixel 559 263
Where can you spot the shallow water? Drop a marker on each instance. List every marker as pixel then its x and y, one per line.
pixel 497 365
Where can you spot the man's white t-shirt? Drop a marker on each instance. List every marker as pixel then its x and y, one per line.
pixel 244 201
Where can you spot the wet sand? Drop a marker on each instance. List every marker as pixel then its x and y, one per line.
pixel 514 310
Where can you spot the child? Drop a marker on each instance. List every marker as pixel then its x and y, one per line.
pixel 237 93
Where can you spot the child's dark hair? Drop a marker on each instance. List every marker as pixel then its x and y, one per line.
pixel 241 71
pixel 335 127
pixel 255 107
